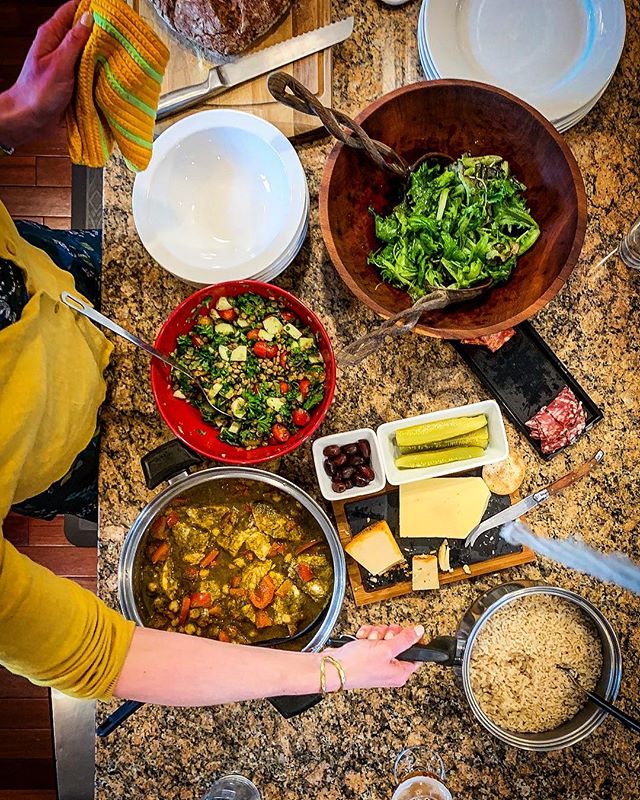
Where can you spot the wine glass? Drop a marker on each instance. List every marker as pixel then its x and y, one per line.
pixel 419 774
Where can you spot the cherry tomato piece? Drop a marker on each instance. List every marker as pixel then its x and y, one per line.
pixel 228 314
pixel 196 340
pixel 305 383
pixel 253 334
pixel 280 433
pixel 284 387
pixel 260 349
pixel 283 359
pixel 272 350
pixel 287 316
pixel 300 417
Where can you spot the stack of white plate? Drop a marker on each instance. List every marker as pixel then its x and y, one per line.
pixel 557 55
pixel 224 198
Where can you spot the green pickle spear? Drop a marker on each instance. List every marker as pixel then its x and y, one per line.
pixel 479 438
pixel 439 430
pixel 433 458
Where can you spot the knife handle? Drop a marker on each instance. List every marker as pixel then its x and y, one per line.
pixel 179 99
pixel 575 475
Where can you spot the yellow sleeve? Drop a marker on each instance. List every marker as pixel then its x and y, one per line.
pixel 56 633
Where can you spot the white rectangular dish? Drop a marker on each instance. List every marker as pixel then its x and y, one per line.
pixel 349 437
pixel 497 449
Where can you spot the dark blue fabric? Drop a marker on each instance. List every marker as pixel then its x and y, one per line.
pixel 80 253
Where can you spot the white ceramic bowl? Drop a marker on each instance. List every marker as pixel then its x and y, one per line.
pixel 224 197
pixel 497 449
pixel 349 437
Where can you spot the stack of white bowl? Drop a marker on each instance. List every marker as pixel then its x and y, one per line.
pixel 557 55
pixel 224 198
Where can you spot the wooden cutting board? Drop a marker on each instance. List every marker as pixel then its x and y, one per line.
pixel 187 66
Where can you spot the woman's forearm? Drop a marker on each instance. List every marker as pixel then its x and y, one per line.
pixel 174 669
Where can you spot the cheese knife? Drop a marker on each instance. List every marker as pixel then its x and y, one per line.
pixel 531 501
pixel 226 76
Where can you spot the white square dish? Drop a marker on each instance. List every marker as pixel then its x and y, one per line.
pixel 497 449
pixel 349 437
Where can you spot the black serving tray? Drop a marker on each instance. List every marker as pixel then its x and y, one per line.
pixel 524 375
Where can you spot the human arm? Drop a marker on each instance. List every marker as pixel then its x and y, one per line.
pixel 174 669
pixel 40 96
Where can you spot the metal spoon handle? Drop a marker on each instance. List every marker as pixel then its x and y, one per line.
pixel 628 721
pixel 81 307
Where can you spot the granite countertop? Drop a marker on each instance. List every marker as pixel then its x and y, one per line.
pixel 345 746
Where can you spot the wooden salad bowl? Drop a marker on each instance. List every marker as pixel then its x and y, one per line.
pixel 455 117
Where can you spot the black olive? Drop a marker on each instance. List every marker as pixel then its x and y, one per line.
pixel 360 480
pixel 346 473
pixel 329 468
pixel 350 449
pixel 364 447
pixel 331 451
pixel 339 460
pixel 366 472
pixel 355 461
pixel 338 486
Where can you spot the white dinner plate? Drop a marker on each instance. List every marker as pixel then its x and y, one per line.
pixel 223 198
pixel 554 54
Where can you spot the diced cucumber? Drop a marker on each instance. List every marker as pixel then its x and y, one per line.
pixel 213 391
pixel 292 331
pixel 315 359
pixel 272 325
pixel 238 407
pixel 234 427
pixel 229 393
pixel 214 314
pixel 223 304
pixel 306 343
pixel 294 346
pixel 242 322
pixel 240 353
pixel 224 329
pixel 275 403
pixel 224 352
pixel 265 335
pixel 179 394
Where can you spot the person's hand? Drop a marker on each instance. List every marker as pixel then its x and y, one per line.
pixel 370 662
pixel 38 99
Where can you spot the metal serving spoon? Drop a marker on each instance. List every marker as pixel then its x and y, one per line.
pixel 290 92
pixel 81 307
pixel 605 705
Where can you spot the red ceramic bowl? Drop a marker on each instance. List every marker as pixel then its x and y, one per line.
pixel 185 420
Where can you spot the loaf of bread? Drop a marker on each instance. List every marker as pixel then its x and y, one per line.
pixel 224 27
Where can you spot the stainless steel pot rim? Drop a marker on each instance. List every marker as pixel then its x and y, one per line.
pixel 546 741
pixel 186 480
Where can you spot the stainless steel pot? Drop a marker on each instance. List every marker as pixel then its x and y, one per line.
pixel 589 717
pixel 184 481
pixel 171 462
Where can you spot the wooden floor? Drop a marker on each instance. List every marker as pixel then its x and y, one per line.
pixel 35 183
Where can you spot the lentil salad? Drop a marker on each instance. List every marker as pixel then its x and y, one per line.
pixel 260 364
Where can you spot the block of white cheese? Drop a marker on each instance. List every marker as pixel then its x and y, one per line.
pixel 375 548
pixel 424 573
pixel 444 508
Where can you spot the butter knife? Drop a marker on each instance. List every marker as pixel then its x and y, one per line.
pixel 226 76
pixel 532 500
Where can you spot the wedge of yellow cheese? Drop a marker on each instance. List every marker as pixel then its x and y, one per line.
pixel 446 508
pixel 424 573
pixel 375 548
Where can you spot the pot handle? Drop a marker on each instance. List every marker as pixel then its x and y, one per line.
pixel 113 721
pixel 167 460
pixel 440 650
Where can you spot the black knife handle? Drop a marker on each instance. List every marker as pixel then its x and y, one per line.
pixel 617 713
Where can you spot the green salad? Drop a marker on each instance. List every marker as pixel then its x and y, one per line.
pixel 458 225
pixel 259 363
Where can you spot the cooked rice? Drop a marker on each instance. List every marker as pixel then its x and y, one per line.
pixel 513 663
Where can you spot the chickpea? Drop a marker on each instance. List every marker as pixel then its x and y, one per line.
pixel 152 587
pixel 158 603
pixel 190 629
pixel 174 622
pixel 174 606
pixel 204 573
pixel 194 613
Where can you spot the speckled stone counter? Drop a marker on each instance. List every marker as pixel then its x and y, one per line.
pixel 344 747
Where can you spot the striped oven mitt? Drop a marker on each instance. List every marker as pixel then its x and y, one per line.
pixel 117 87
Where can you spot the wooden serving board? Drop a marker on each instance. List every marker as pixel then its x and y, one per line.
pixel 363 595
pixel 187 66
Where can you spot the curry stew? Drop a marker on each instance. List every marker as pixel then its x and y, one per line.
pixel 234 560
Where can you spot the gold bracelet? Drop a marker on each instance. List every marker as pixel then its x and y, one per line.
pixel 323 673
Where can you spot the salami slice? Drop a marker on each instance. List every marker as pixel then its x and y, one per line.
pixel 493 341
pixel 560 423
